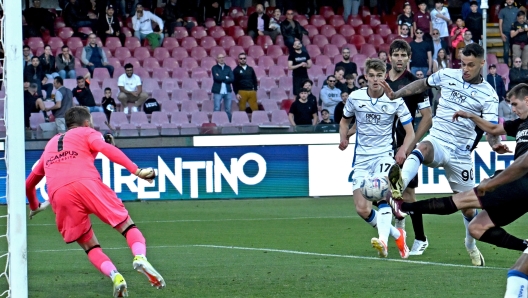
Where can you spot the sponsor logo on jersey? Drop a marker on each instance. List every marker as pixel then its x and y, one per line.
pixel 64 155
pixel 457 97
pixel 373 118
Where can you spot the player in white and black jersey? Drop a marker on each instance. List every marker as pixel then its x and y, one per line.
pixel 449 143
pixel 373 151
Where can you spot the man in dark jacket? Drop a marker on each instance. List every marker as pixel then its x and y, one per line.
pixel 34 74
pixel 75 16
pixel 66 64
pixel 211 9
pixel 517 74
pixel 108 26
pixel 474 22
pixel 245 84
pixel 47 62
pixel 291 30
pixel 222 79
pixel 84 95
pixel 174 13
pixel 258 24
pixel 38 17
pixel 496 82
pixel 94 57
pixel 32 103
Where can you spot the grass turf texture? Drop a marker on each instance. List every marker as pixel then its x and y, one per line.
pixel 329 227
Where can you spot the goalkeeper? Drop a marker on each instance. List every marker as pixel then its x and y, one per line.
pixel 75 191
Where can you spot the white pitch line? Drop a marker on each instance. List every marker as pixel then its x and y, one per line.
pixel 216 220
pixel 294 252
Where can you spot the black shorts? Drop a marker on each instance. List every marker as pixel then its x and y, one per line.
pixel 297 84
pixel 507 202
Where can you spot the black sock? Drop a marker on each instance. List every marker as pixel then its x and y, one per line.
pixel 499 237
pixel 45 114
pixel 418 228
pixel 441 206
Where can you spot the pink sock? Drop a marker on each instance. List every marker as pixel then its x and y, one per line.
pixel 101 261
pixel 136 242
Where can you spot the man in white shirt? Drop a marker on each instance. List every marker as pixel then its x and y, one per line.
pixel 131 89
pixel 142 23
pixel 441 19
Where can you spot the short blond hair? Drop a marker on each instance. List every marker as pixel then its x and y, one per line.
pixel 375 64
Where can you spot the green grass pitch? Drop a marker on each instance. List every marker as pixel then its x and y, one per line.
pixel 308 247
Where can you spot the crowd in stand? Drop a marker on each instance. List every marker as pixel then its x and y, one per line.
pixel 435 32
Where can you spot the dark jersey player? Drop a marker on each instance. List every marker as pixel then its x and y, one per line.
pixel 397 78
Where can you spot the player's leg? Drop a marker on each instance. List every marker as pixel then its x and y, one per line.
pixel 517 282
pixel 441 206
pixel 420 243
pixel 483 228
pixel 371 216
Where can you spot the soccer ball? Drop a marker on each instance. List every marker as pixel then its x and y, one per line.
pixel 374 188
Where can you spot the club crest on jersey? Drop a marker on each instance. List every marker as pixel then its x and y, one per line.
pixel 473 93
pixel 457 97
pixel 373 118
pixel 384 108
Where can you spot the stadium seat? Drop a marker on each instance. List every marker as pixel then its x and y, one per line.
pixel 260 118
pixel 180 33
pixel 267 83
pixel 313 50
pixel 126 31
pixel 160 54
pixel 265 62
pixel 189 84
pixel 365 31
pixel 98 118
pixel 149 84
pixel 503 70
pixel 199 118
pixel 179 54
pixel 198 53
pixel 236 32
pixel 376 40
pixel 208 63
pixel 315 70
pixel 331 50
pixel 355 22
pixel 255 51
pixel 277 94
pixel 199 74
pixel 113 43
pixel 220 118
pixel 171 106
pixel 227 22
pixel 262 95
pixel 59 24
pixel 159 118
pixel 276 71
pixel 216 32
pixel 209 23
pixel 188 64
pixel 242 22
pixel 282 61
pixel 357 41
pixel 169 84
pixel 179 118
pixel 323 61
pixel 280 117
pixel 189 106
pixel 317 20
pixel 274 51
pixel 359 59
pixel 227 42
pixel 85 30
pixel 141 54
pixel 369 50
pixel 328 31
pixel 269 105
pixel 159 74
pixel 235 50
pixel 231 62
pixel 347 30
pixel 384 31
pixel 215 51
pixel 138 119
pixel 312 30
pixel 74 43
pixel 170 64
pixel 207 106
pixel 148 129
pixel 264 41
pixel 250 10
pixel 134 61
pixel 235 12
pixel 118 119
pixel 391 37
pixel 245 42
pixel 301 19
pixel 373 21
pixel 207 42
pixel 199 95
pixel 284 108
pixel 55 43
pixel 198 32
pixel 160 95
pixel 65 33
pixel 188 43
pixel 207 85
pixel 338 40
pixel 101 74
pixel 336 21
pixel 127 130
pixel 326 11
pixel 132 43
pixel 285 83
pixel 260 72
pixel 320 41
pixel 492 59
pixel 170 43
pixel 239 118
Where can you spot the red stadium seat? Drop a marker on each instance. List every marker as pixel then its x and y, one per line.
pixel 126 31
pixel 199 95
pixel 384 47
pixel 357 40
pixel 215 51
pixel 390 19
pixel 150 64
pixel 313 50
pixel 255 52
pixel 274 51
pixel 276 71
pixel 198 53
pixel 365 31
pixel 492 59
pixel 74 43
pixel 113 43
pixel 231 62
pixel 264 41
pixel 179 75
pixel 373 21
pixel 320 41
pixel 208 63
pixel 245 42
pixel 207 42
pixel 323 61
pixel 65 33
pixel 59 23
pixel 347 30
pixel 312 30
pixel 282 61
pixel 250 61
pixel 101 74
pixel 180 33
pixel 227 42
pixel 315 71
pixel 188 43
pixel 132 43
pixel 267 83
pixel 209 23
pixel 235 12
pixel 336 21
pixel 133 61
pixel 141 53
pixel 161 53
pixel 259 72
pixel 328 31
pixel 189 84
pixel 265 62
pixel 270 10
pixel 170 43
pixel 188 64
pixel 216 32
pixel 355 22
pixel 35 42
pixel 85 30
pixel 317 20
pixel 326 11
pixel 376 40
pixel 301 19
pixel 338 40
pixel 384 31
pixel 242 22
pixel 198 32
pixel 331 50
pixel 236 32
pixel 391 37
pixel 234 51
pixel 359 59
pixel 369 50
pixel 122 53
pixel 55 43
pixel 170 64
pixel 227 22
pixel 114 62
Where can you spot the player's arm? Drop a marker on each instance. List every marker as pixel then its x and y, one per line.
pixel 343 132
pixel 486 126
pixel 352 131
pixel 34 178
pixel 423 127
pixel 114 154
pixel 416 87
pixel 515 171
pixel 408 143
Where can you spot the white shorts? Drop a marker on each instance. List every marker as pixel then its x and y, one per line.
pixel 377 165
pixel 457 164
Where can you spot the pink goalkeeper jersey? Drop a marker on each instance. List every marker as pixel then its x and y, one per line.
pixel 75 160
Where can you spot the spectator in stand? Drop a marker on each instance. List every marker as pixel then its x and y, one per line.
pixel 173 14
pixel 276 21
pixel 350 7
pixel 341 82
pixel 517 75
pixel 108 103
pixel 338 112
pixel 406 19
pixel 259 24
pixel 496 81
pixel 460 46
pixel 362 82
pixel 76 17
pixel 142 23
pixel 441 61
pixel 382 55
pixel 84 95
pixel 422 20
pixel 131 89
pixel 440 19
pixel 439 43
pixel 223 77
pixel 108 26
pixel 66 64
pixel 302 111
pixel 47 61
pixel 349 66
pixel 298 61
pixel 26 55
pixel 505 111
pixel 325 116
pixel 212 9
pixel 63 101
pixel 308 84
pixel 350 86
pixel 422 58
pixel 33 103
pixel 35 74
pixel 405 35
pixel 507 16
pixel 519 38
pixel 457 33
pixel 93 57
pixel 474 22
pixel 330 96
pixel 38 17
pixel 420 75
pixel 245 84
pixel 292 31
